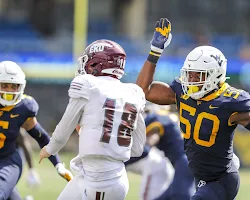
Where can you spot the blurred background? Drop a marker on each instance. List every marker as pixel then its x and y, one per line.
pixel 45 37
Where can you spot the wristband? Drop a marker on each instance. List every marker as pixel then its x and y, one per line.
pixel 153 57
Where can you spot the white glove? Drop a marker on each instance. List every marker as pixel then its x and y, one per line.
pixel 161 39
pixel 29 197
pixel 63 172
pixel 33 179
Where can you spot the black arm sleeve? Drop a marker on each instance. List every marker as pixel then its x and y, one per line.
pixel 42 138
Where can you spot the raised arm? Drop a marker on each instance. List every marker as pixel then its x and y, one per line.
pixel 156 92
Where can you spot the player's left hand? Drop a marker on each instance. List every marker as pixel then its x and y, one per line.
pixel 63 172
pixel 43 154
pixel 162 35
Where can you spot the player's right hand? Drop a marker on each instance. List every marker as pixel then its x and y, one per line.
pixel 63 172
pixel 162 36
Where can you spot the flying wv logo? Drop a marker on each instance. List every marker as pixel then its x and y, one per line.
pixel 218 59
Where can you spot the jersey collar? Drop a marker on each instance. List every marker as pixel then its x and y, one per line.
pixel 215 94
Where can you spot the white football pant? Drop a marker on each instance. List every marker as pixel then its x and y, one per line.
pixel 81 189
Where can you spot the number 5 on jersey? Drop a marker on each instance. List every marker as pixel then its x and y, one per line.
pixel 126 125
pixel 4 125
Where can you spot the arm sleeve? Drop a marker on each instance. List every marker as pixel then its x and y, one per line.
pixel 176 86
pixel 42 138
pixel 239 104
pixel 139 138
pixel 67 125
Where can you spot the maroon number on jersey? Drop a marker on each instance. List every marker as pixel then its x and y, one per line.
pixel 126 125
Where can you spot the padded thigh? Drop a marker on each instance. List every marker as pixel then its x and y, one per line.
pixel 210 191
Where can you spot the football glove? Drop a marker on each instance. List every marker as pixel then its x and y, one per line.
pixel 161 39
pixel 33 179
pixel 63 172
pixel 162 35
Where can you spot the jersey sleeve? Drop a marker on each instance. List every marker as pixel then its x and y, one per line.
pixel 139 138
pixel 31 105
pixel 80 87
pixel 142 98
pixel 67 124
pixel 239 101
pixel 176 86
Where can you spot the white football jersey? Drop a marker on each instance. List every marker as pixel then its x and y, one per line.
pixel 110 117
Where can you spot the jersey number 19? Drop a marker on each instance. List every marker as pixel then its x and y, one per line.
pixel 126 125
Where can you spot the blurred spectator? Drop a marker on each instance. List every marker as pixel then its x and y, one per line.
pixel 42 16
pixel 244 53
pixel 198 37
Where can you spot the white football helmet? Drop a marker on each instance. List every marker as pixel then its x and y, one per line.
pixel 10 72
pixel 211 63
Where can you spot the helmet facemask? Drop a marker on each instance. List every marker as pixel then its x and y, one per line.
pixel 81 65
pixel 209 81
pixel 13 97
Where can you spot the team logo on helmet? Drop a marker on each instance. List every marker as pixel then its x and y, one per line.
pixel 98 47
pixel 218 59
pixel 103 58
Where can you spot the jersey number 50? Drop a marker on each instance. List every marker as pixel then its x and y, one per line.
pixel 126 125
pixel 198 122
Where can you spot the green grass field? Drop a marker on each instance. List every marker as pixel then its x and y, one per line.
pixel 52 184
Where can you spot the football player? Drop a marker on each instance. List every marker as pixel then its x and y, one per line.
pixel 109 113
pixel 162 179
pixel 17 110
pixel 209 109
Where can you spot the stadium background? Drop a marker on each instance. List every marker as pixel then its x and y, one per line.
pixel 46 36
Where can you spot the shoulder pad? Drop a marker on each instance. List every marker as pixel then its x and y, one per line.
pixel 141 94
pixel 81 87
pixel 137 88
pixel 237 100
pixel 31 105
pixel 176 86
pixel 139 91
